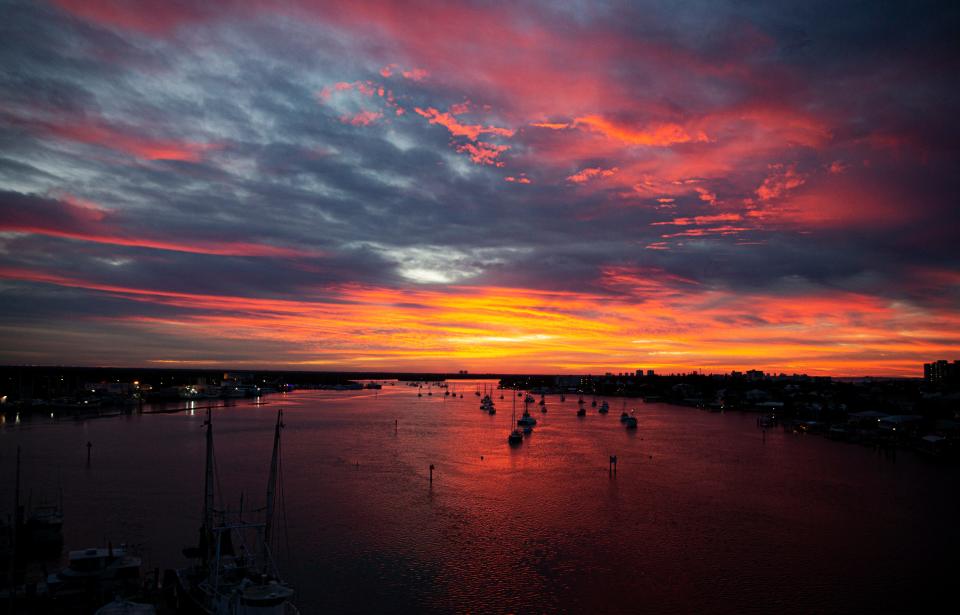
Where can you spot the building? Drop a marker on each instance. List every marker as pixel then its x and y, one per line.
pixel 941 372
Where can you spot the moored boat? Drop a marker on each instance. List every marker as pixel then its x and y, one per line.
pixel 225 581
pixel 516 436
pixel 96 571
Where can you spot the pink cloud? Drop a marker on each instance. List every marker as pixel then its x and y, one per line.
pixel 484 153
pixel 363 118
pixel 470 131
pixel 416 74
pixel 591 173
pixel 659 135
pixel 781 181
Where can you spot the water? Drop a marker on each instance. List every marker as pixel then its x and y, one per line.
pixel 703 515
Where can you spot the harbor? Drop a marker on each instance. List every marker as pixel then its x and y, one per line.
pixel 397 501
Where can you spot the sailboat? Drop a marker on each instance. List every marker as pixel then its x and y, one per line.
pixel 486 404
pixel 229 578
pixel 526 420
pixel 516 436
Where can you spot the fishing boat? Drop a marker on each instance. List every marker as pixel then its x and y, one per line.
pixel 604 408
pixel 236 573
pixel 581 411
pixel 96 571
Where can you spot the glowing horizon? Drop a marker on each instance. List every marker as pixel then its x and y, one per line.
pixel 513 189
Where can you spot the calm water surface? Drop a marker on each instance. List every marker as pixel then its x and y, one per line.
pixel 702 516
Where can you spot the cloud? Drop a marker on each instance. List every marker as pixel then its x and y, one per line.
pixel 585 175
pixel 313 155
pixel 656 135
pixel 457 129
pixel 362 118
pixel 781 181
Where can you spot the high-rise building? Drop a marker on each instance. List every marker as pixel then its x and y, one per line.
pixel 941 372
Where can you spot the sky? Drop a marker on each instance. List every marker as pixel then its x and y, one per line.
pixel 530 187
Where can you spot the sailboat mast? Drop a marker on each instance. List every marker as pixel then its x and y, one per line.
pixel 272 481
pixel 208 483
pixel 17 518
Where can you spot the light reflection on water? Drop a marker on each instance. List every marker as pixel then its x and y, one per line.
pixel 701 516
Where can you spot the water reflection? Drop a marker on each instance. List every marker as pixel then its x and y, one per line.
pixel 701 514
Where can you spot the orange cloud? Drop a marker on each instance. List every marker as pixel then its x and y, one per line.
pixel 590 173
pixel 729 217
pixel 484 153
pixel 657 135
pixel 707 196
pixel 643 317
pixel 782 180
pixel 551 125
pixel 470 131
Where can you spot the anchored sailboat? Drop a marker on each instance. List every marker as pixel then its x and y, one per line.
pixel 229 578
pixel 516 436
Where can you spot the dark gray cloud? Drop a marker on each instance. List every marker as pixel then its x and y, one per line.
pixel 780 148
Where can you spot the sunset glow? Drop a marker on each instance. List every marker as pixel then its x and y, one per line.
pixel 506 188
